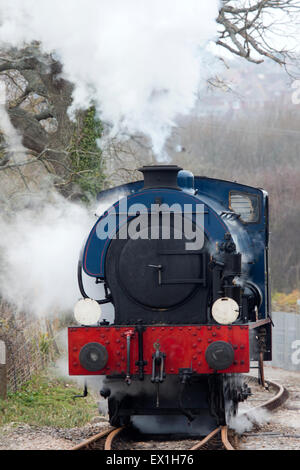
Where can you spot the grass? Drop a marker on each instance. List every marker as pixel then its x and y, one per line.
pixel 45 401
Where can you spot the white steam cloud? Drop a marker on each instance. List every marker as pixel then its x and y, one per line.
pixel 246 421
pixel 141 62
pixel 11 136
pixel 39 254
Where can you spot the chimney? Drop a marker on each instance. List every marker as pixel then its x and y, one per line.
pixel 160 176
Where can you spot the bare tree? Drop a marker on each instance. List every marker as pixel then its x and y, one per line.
pixel 249 27
pixel 42 81
pixel 37 106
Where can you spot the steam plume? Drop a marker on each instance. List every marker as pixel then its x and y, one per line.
pixel 39 251
pixel 11 136
pixel 141 62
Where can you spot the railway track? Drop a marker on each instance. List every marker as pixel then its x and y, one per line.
pixel 279 397
pixel 217 439
pixel 105 440
pixel 100 441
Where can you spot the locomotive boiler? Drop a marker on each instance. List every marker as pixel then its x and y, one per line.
pixel 183 260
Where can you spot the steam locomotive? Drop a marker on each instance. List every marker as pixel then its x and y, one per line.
pixel 183 260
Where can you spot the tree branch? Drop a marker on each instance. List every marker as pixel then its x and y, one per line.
pixel 245 29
